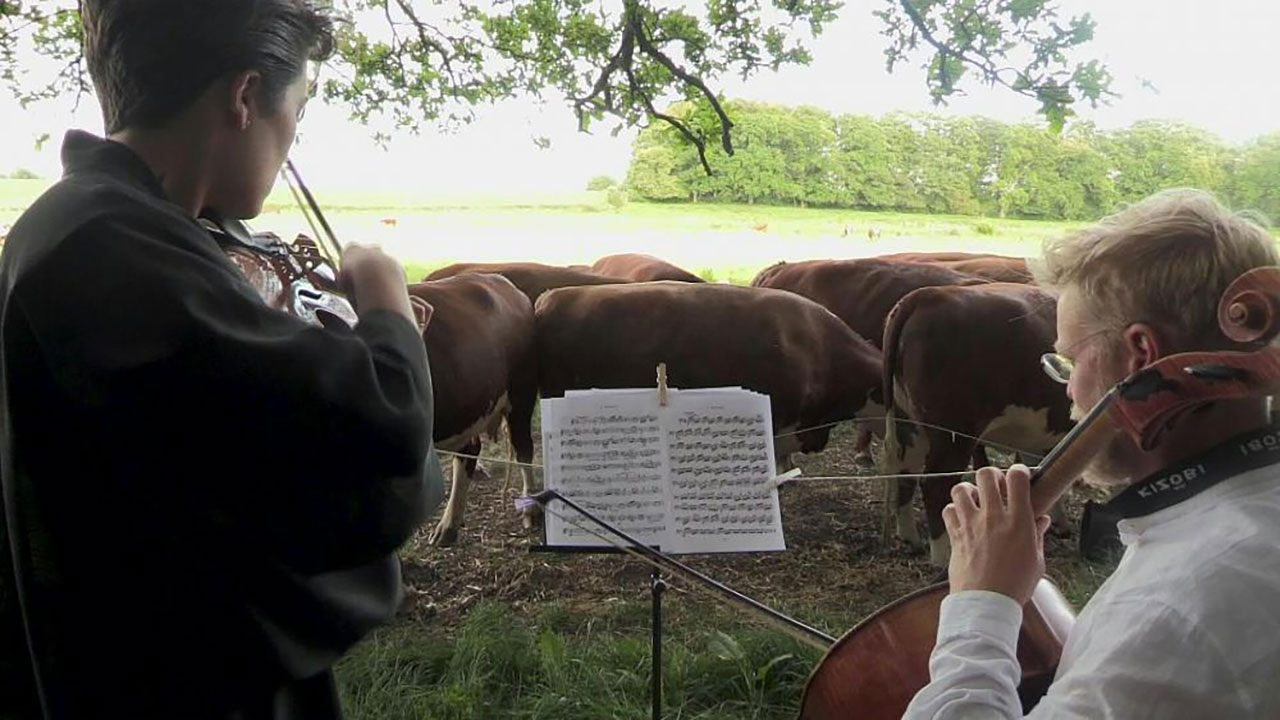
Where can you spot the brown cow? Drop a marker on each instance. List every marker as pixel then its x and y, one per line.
pixel 533 279
pixel 639 267
pixel 965 359
pixel 996 268
pixel 815 370
pixel 480 347
pixel 859 292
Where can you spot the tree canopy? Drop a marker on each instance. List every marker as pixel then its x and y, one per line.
pixel 413 62
pixel 964 165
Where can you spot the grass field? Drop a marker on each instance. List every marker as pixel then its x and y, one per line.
pixel 719 242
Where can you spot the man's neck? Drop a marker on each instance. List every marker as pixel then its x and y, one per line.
pixel 1201 430
pixel 177 157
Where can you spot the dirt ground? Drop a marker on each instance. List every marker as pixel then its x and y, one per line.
pixel 834 570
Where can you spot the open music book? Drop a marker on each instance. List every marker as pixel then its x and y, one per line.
pixel 695 476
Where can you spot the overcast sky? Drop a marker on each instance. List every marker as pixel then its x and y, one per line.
pixel 1212 63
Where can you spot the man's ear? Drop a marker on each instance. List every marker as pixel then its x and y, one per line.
pixel 1142 346
pixel 243 98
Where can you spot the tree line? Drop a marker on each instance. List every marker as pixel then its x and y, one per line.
pixel 911 162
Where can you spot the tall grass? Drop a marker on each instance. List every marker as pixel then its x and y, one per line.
pixel 562 665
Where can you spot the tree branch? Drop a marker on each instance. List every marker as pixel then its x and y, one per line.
pixel 987 68
pixel 649 49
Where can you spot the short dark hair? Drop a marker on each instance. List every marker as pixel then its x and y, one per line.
pixel 150 59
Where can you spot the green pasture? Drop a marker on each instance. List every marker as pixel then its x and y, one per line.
pixel 719 242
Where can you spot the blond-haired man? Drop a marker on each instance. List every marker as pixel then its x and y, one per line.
pixel 1188 625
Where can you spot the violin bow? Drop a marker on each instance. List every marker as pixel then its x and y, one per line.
pixel 309 208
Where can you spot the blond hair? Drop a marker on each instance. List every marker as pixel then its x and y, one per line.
pixel 1164 261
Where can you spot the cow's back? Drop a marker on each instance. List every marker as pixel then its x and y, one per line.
pixel 860 292
pixel 769 341
pixel 480 337
pixel 533 279
pixel 988 266
pixel 639 267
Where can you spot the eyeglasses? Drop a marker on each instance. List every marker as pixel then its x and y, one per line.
pixel 1058 366
pixel 313 86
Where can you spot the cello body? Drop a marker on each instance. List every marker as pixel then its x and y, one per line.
pixel 874 670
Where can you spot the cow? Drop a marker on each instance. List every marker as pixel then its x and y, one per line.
pixel 859 292
pixel 533 279
pixel 996 268
pixel 481 350
pixel 815 370
pixel 639 267
pixel 963 362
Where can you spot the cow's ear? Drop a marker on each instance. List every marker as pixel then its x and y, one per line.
pixel 1142 346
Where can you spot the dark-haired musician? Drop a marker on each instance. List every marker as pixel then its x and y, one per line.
pixel 202 496
pixel 1188 625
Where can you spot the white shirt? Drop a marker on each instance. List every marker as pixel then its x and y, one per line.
pixel 1188 625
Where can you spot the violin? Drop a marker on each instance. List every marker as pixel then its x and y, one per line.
pixel 292 277
pixel 299 278
pixel 875 669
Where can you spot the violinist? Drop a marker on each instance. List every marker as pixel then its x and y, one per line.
pixel 1188 625
pixel 203 496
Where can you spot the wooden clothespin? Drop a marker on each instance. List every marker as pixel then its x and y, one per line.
pixel 662 384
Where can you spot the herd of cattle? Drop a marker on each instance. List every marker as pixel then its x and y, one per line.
pixel 931 351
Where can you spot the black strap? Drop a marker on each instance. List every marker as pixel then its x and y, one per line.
pixel 1166 488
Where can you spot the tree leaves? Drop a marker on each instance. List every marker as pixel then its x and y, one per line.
pixel 960 165
pixel 404 64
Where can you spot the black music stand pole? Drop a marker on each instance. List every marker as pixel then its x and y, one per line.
pixel 657 585
pixel 656 588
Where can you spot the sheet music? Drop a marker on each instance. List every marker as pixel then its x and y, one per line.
pixel 721 466
pixel 694 476
pixel 605 451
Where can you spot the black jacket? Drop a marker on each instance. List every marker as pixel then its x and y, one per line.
pixel 202 496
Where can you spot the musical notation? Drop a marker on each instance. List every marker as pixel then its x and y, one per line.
pixel 693 476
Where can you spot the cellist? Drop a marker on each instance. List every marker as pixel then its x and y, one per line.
pixel 1188 625
pixel 202 495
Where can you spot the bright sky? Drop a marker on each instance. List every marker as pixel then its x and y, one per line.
pixel 1211 62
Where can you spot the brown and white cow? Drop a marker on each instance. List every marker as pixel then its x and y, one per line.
pixel 861 292
pixel 996 268
pixel 965 359
pixel 480 348
pixel 639 267
pixel 815 369
pixel 533 279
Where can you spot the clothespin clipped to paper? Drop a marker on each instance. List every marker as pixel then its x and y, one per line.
pixel 662 384
pixel 786 477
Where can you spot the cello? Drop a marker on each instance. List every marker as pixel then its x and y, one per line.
pixel 876 668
